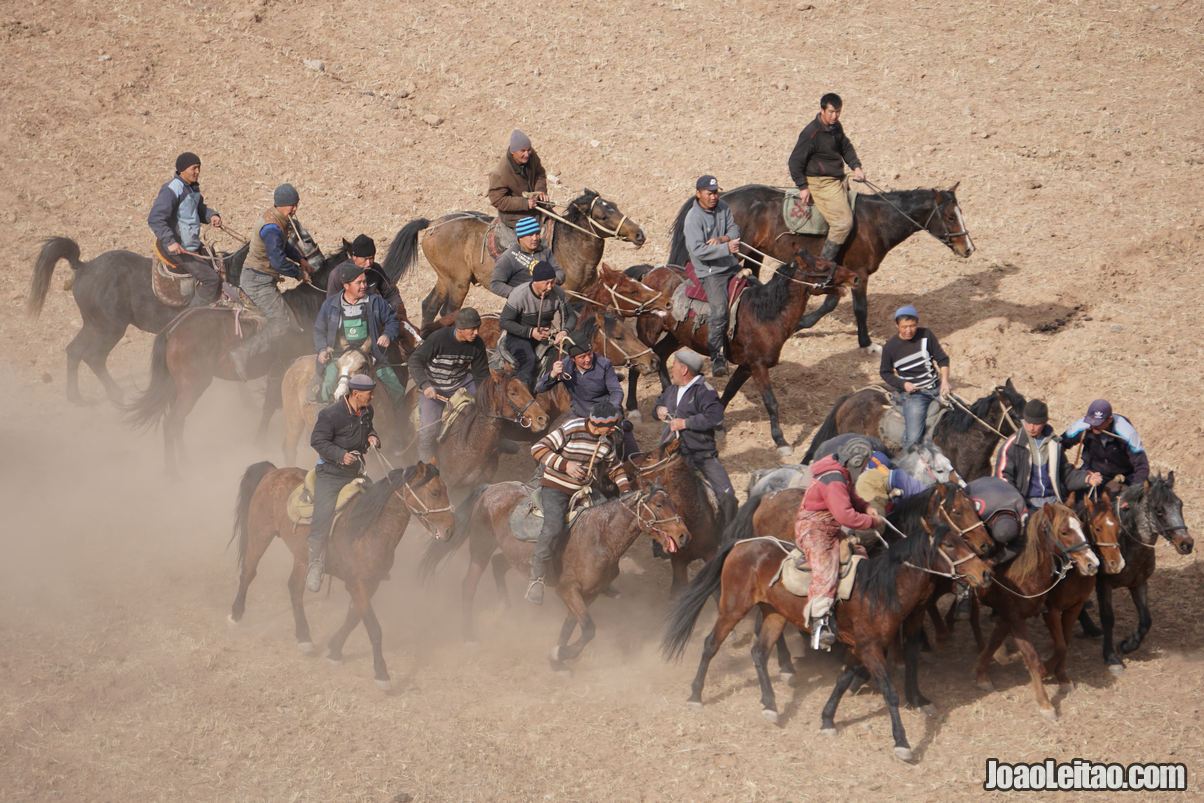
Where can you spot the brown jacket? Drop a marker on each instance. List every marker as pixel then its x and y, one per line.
pixel 257 254
pixel 507 185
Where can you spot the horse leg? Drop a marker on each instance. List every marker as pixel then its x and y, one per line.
pixel 761 377
pixel 455 297
pixel 1144 620
pixel 939 626
pixel 827 718
pixel 92 345
pixel 771 631
pixel 296 593
pixel 975 617
pixel 1107 621
pixel 724 625
pixel 912 630
pixel 1053 665
pixel 293 427
pixel 578 609
pixel 434 301
pixel 813 317
pixel 500 567
pixel 1033 662
pixel 372 625
pixel 785 662
pixel 273 400
pixel 681 575
pixel 468 592
pixel 334 648
pixel 257 544
pixel 981 678
pixel 875 661
pixel 861 308
pixel 188 392
pixel 739 377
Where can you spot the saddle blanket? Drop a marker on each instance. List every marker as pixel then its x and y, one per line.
pixel 806 219
pixel 526 520
pixel 798 581
pixel 685 306
pixel 452 410
pixel 300 505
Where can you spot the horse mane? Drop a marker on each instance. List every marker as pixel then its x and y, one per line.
pixel 571 211
pixel 908 514
pixel 960 421
pixel 678 255
pixel 370 504
pixel 879 578
pixel 587 324
pixel 768 300
pixel 1036 542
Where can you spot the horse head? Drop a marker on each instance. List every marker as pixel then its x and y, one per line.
pixel 656 516
pixel 605 219
pixel 515 403
pixel 1066 533
pixel 1157 510
pixel 957 510
pixel 947 224
pixel 1103 528
pixel 615 339
pixel 962 561
pixel 926 462
pixel 425 494
pixel 630 296
pixel 1011 403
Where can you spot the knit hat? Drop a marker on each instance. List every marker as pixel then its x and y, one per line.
pixel 349 272
pixel 542 271
pixel 689 358
pixel 1098 413
pixel 1036 412
pixel 468 318
pixel 525 226
pixel 518 141
pixel 907 311
pixel 361 382
pixel 285 195
pixel 186 160
pixel 363 246
pixel 605 414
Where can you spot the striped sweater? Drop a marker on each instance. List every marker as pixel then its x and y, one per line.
pixel 572 441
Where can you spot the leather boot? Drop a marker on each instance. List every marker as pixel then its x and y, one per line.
pixel 718 364
pixel 535 589
pixel 313 578
pixel 831 250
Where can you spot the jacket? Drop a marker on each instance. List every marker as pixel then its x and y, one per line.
pixel 513 268
pixel 524 311
pixel 572 440
pixel 177 214
pixel 700 226
pixel 599 383
pixel 832 490
pixel 382 320
pixel 508 182
pixel 915 360
pixel 1014 465
pixel 821 151
pixel 270 251
pixel 444 362
pixel 1117 450
pixel 703 412
pixel 338 431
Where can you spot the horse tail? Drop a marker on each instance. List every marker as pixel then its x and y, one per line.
pixel 741 525
pixel 242 507
pixel 403 251
pixel 439 551
pixel 680 623
pixel 53 249
pixel 827 429
pixel 149 408
pixel 678 255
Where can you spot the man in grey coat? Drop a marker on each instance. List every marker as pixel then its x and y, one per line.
pixel 713 240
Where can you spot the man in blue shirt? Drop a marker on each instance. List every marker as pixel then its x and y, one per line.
pixel 589 379
pixel 176 217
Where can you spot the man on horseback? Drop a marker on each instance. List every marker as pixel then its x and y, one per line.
pixel 817 168
pixel 513 268
pixel 362 253
pixel 270 258
pixel 537 315
pixel 1110 447
pixel 691 410
pixel 915 365
pixel 571 455
pixel 355 319
pixel 713 240
pixel 451 358
pixel 516 186
pixel 176 217
pixel 1032 461
pixel 829 503
pixel 341 437
pixel 589 378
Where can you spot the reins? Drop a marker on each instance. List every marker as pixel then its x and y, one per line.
pixel 946 238
pixel 424 510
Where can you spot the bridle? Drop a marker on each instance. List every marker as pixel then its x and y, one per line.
pixel 520 414
pixel 946 236
pixel 652 523
pixel 953 573
pixel 1061 568
pixel 594 224
pixel 1005 412
pixel 423 512
pixel 609 342
pixel 1150 525
pixel 1096 542
pixel 637 307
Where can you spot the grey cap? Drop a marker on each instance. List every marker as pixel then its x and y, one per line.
pixel 361 382
pixel 468 318
pixel 689 358
pixel 518 141
pixel 285 195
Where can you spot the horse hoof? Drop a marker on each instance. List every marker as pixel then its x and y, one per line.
pixel 770 715
pixel 1066 688
pixel 827 731
pixel 306 647
pixel 635 416
pixel 336 660
pixel 903 753
pixel 929 709
pixel 872 349
pixel 694 705
pixel 1049 714
pixel 786 677
pixel 1116 669
pixel 231 621
pixel 555 654
pixel 786 453
pixel 384 684
pixel 985 685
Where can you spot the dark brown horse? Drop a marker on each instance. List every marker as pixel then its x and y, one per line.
pixel 880 222
pixel 455 247
pixel 1054 543
pixel 766 318
pixel 587 565
pixel 614 291
pixel 359 551
pixel 888 597
pixel 967 434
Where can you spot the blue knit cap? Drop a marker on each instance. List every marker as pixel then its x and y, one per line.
pixel 907 311
pixel 525 226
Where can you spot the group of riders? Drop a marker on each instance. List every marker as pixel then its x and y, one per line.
pixel 363 308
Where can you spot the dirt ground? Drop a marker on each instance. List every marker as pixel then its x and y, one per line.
pixel 1074 129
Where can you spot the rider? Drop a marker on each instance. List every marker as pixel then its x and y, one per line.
pixel 571 455
pixel 516 186
pixel 341 437
pixel 691 409
pixel 513 267
pixel 915 365
pixel 1111 447
pixel 817 168
pixel 270 258
pixel 451 358
pixel 881 484
pixel 351 320
pixel 176 217
pixel 362 253
pixel 713 240
pixel 1003 509
pixel 829 503
pixel 1033 462
pixel 536 313
pixel 589 379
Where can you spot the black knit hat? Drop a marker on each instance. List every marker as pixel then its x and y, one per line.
pixel 542 271
pixel 363 246
pixel 605 414
pixel 1035 412
pixel 186 160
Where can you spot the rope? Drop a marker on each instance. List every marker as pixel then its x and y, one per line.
pixel 1061 575
pixel 559 219
pixel 959 402
pixel 778 542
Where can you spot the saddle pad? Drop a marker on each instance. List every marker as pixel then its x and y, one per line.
pixel 300 505
pixel 798 581
pixel 172 286
pixel 456 405
pixel 890 425
pixel 683 307
pixel 526 520
pixel 807 219
pixel 694 289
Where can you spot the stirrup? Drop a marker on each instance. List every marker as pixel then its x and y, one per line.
pixel 822 637
pixel 533 596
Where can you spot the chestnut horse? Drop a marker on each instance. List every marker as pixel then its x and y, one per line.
pixel 880 222
pixel 359 550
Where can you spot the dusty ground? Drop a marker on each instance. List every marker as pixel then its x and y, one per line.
pixel 1074 129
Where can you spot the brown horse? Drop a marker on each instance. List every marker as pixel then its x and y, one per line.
pixel 588 563
pixel 455 247
pixel 888 596
pixel 880 222
pixel 1052 534
pixel 614 291
pixel 359 550
pixel 766 318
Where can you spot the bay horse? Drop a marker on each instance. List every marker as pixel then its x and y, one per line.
pixel 587 565
pixel 1147 511
pixel 359 551
pixel 881 221
pixel 765 320
pixel 967 435
pixel 888 596
pixel 1054 543
pixel 455 247
pixel 614 291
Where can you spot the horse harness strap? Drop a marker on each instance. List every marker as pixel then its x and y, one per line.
pixel 945 238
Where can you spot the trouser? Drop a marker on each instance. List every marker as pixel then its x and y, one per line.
pixel 327 484
pixel 328 376
pixel 526 364
pixel 817 534
pixel 1038 502
pixel 505 236
pixel 707 464
pixel 915 415
pixel 555 504
pixel 261 289
pixel 430 413
pixel 715 286
pixel 832 200
pixel 208 281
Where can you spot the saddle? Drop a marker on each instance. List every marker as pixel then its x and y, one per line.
pixel 526 520
pixel 689 300
pixel 175 287
pixel 460 401
pixel 300 505
pixel 806 219
pixel 890 425
pixel 798 580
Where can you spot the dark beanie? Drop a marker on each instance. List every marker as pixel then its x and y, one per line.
pixel 542 271
pixel 1035 412
pixel 186 160
pixel 468 318
pixel 363 246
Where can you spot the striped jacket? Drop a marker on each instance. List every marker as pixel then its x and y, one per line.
pixel 444 362
pixel 572 441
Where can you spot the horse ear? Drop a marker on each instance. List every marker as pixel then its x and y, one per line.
pixel 589 192
pixel 1170 479
pixel 1009 385
pixel 954 187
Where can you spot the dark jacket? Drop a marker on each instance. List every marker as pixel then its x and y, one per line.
pixel 599 383
pixel 445 362
pixel 914 360
pixel 1014 465
pixel 1117 450
pixel 821 151
pixel 381 320
pixel 177 214
pixel 524 311
pixel 703 412
pixel 513 268
pixel 507 183
pixel 339 431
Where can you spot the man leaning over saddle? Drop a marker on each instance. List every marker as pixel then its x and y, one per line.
pixel 537 316
pixel 451 358
pixel 514 266
pixel 516 186
pixel 589 378
pixel 176 217
pixel 713 240
pixel 817 169
pixel 354 319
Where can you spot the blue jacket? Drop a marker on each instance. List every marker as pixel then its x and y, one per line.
pixel 599 383
pixel 703 412
pixel 898 480
pixel 381 320
pixel 177 214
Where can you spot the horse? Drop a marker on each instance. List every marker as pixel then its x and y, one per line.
pixel 1146 511
pixel 880 222
pixel 965 433
pixel 765 319
pixel 1023 585
pixel 455 247
pixel 889 593
pixel 614 291
pixel 588 563
pixel 359 550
